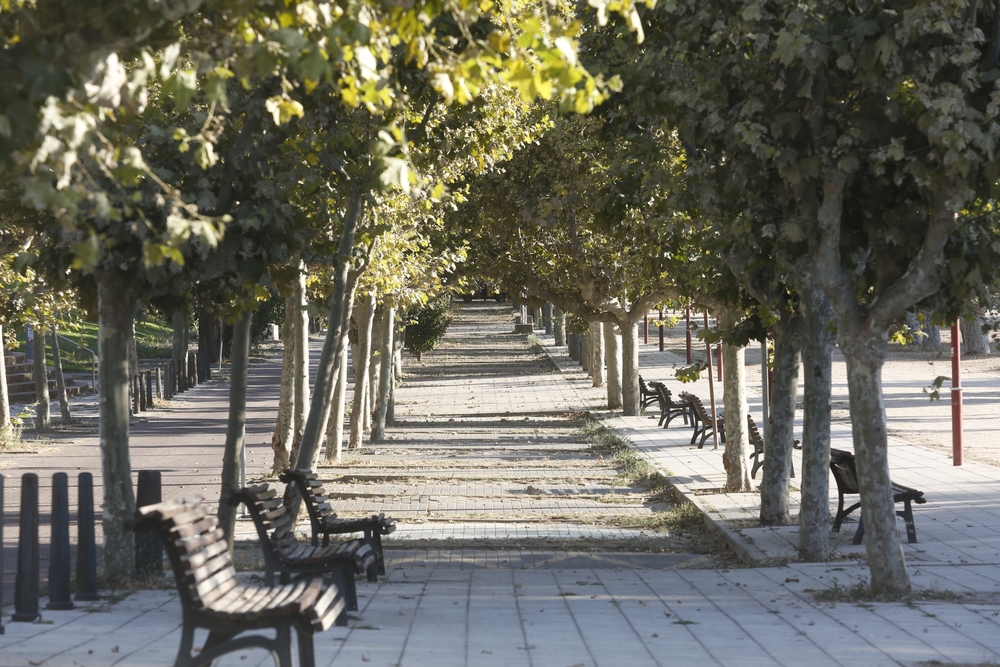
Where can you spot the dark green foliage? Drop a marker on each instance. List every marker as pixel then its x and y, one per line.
pixel 267 312
pixel 427 324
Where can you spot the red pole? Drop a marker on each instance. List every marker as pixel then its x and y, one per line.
pixel 956 396
pixel 661 331
pixel 687 334
pixel 645 329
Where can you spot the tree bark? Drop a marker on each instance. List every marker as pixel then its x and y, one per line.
pixel 975 343
pixel 43 419
pixel 5 422
pixel 284 429
pixel 613 359
pixel 385 374
pixel 630 370
pixel 735 457
pixel 597 354
pixel 374 367
pixel 361 360
pixel 236 427
pixel 319 409
pixel 179 351
pixel 300 372
pixel 882 546
pixel 559 326
pixel 335 421
pixel 817 353
pixel 60 379
pixel 777 471
pixel 586 352
pixel 116 311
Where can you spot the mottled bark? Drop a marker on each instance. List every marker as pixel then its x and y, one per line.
pixel 335 407
pixel 975 342
pixel 630 370
pixel 586 352
pixel 597 354
pixel 817 352
pixel 882 546
pixel 777 470
pixel 361 361
pixel 300 372
pixel 60 379
pixel 613 361
pixel 559 326
pixel 236 426
pixel 43 419
pixel 179 351
pixel 735 456
pixel 385 374
pixel 116 310
pixel 284 429
pixel 374 366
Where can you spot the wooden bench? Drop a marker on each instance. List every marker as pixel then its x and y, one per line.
pixel 670 409
pixel 325 522
pixel 758 447
pixel 702 421
pixel 647 396
pixel 213 599
pixel 846 475
pixel 286 555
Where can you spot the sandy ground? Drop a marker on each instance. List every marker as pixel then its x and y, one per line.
pixel 907 378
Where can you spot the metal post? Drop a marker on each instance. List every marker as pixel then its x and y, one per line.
pixel 661 330
pixel 26 581
pixel 59 558
pixel 86 545
pixel 93 373
pixel 956 397
pixel 718 350
pixel 222 334
pixel 645 329
pixel 687 335
pixel 711 390
pixel 149 390
pixel 148 544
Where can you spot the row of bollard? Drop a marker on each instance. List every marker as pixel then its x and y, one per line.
pixel 149 548
pixel 163 383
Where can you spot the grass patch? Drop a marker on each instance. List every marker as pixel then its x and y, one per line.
pixel 862 592
pixel 632 468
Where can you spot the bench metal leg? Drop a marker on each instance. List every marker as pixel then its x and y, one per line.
pixel 907 516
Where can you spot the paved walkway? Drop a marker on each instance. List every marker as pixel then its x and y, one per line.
pixel 560 605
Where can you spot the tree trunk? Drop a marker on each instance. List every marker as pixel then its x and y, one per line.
pixel 613 359
pixel 597 354
pixel 385 374
pixel 43 419
pixel 116 311
pixel 60 379
pixel 236 428
pixel 630 370
pixel 5 422
pixel 133 353
pixel 559 326
pixel 284 429
pixel 975 343
pixel 865 358
pixel 300 373
pixel 361 360
pixel 335 421
pixel 735 456
pixel 586 352
pixel 374 366
pixel 817 353
pixel 933 338
pixel 775 480
pixel 325 372
pixel 179 352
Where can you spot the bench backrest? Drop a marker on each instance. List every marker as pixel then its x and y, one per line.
pixel 698 407
pixel 754 435
pixel 196 546
pixel 844 471
pixel 313 495
pixel 275 525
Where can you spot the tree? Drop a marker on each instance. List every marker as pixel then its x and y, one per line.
pixel 427 324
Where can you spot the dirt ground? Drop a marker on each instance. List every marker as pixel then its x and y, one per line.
pixel 907 378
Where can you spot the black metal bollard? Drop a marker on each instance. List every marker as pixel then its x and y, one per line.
pixel 86 547
pixel 59 559
pixel 148 544
pixel 149 390
pixel 26 582
pixel 1 549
